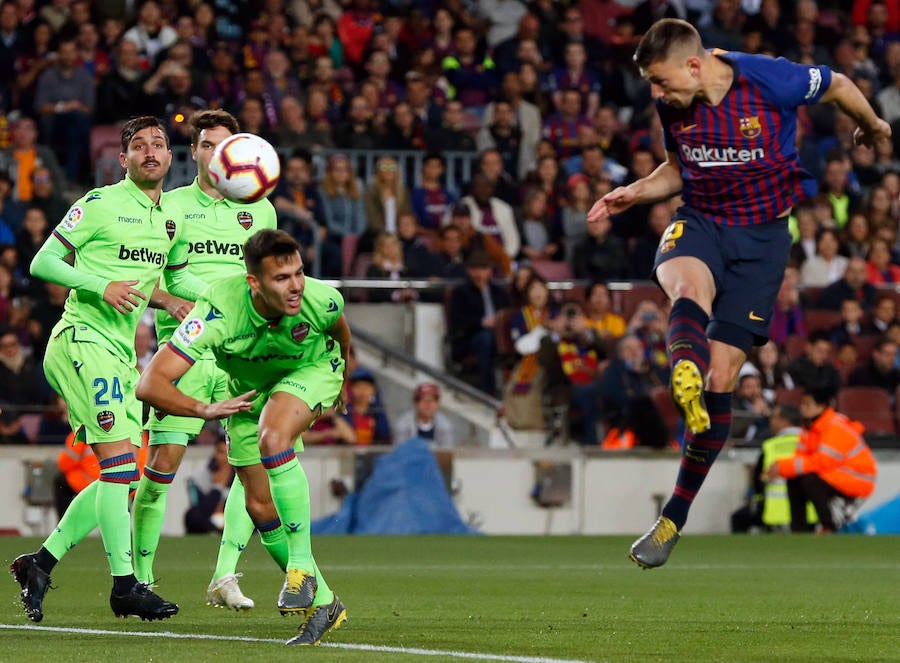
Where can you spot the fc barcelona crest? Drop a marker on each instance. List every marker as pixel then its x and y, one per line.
pixel 750 126
pixel 299 331
pixel 170 229
pixel 106 420
pixel 245 219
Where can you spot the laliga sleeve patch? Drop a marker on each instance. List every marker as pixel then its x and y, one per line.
pixel 190 331
pixel 72 219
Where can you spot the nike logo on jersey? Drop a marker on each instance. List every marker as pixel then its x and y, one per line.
pixel 332 306
pixel 755 317
pixel 687 127
pixel 214 314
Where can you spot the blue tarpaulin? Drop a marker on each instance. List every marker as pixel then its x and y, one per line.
pixel 883 519
pixel 405 494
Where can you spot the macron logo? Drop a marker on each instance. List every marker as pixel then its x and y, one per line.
pixel 710 157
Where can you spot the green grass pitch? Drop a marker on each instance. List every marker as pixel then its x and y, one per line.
pixel 526 599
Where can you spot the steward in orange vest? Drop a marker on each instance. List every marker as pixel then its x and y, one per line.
pixel 833 466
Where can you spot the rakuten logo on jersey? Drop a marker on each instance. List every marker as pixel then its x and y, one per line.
pixel 142 254
pixel 213 247
pixel 710 157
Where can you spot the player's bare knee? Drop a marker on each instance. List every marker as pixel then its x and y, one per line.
pixel 273 441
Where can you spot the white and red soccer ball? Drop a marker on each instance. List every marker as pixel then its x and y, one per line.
pixel 244 168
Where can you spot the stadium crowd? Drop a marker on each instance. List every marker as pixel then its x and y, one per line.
pixel 545 98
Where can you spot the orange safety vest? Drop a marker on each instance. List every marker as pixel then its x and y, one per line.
pixel 834 448
pixel 81 467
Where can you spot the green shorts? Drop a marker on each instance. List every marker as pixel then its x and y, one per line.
pixel 204 381
pixel 96 383
pixel 317 384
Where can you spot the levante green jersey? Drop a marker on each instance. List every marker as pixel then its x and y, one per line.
pixel 253 351
pixel 119 234
pixel 214 232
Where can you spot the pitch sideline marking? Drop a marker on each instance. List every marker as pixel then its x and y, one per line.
pixel 234 638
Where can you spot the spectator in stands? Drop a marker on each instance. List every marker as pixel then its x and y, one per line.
pixel 827 266
pixel 879 371
pixel 293 132
pixel 330 428
pixel 472 316
pixel 223 85
pixel 884 314
pixel 431 200
pixel 575 75
pixel 750 398
pixel 611 139
pixel 450 259
pixel 387 263
pixel 649 325
pixel 450 135
pixel 341 210
pixel 570 356
pixel 54 424
pixel 772 374
pixel 295 199
pixel 502 134
pixel 850 327
pixel 836 186
pixel 31 236
pixel 644 247
pixel 357 131
pixel 856 237
pixel 833 466
pixel 418 259
pixel 573 218
pixel 599 316
pixel 474 79
pixel 526 117
pixel 492 216
pixel 562 127
pixel 473 240
pixel 14 42
pixel 46 197
pixel 442 40
pixel 364 414
pixel 425 421
pixel 541 233
pixel 627 408
pixel 385 199
pixel 32 62
pixel 879 269
pixel 28 156
pixel 121 91
pixel 207 490
pixel 804 246
pixel 426 113
pixel 78 467
pixel 65 98
pixel 152 33
pixel 401 132
pixel 22 381
pixel 814 369
pixel 547 176
pixel 601 255
pixel 852 285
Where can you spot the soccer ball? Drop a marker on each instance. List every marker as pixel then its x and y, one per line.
pixel 244 168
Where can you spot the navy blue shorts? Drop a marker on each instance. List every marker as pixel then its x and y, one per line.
pixel 747 263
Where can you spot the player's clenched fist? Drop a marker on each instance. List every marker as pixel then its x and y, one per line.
pixel 122 296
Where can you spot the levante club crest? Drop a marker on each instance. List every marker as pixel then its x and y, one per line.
pixel 106 420
pixel 750 126
pixel 299 331
pixel 170 229
pixel 245 219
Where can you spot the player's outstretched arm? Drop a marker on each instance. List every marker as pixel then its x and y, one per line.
pixel 663 182
pixel 177 307
pixel 844 93
pixel 54 262
pixel 155 388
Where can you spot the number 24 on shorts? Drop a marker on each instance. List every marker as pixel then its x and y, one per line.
pixel 103 388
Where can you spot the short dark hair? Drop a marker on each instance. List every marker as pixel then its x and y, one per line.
pixel 135 124
pixel 790 413
pixel 822 395
pixel 207 119
pixel 663 38
pixel 268 243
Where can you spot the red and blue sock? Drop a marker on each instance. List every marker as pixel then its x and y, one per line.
pixel 687 334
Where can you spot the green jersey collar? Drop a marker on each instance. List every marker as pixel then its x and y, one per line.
pixel 139 196
pixel 256 319
pixel 206 200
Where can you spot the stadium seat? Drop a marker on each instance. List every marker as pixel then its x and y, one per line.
pixel 865 344
pixel 662 399
pixel 786 395
pixel 626 301
pixel 794 347
pixel 871 406
pixel 552 270
pixel 821 319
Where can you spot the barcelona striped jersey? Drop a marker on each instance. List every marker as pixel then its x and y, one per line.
pixel 738 159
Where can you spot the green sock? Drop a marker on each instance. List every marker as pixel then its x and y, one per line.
pixel 236 533
pixel 276 544
pixel 290 493
pixel 149 513
pixel 77 522
pixel 116 474
pixel 324 595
